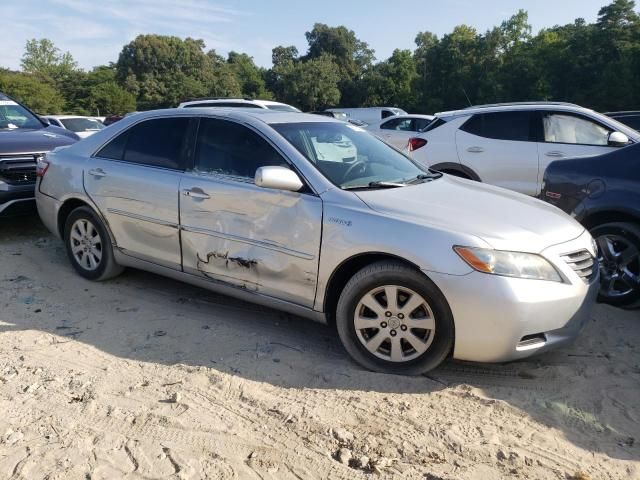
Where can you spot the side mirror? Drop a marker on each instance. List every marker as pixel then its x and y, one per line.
pixel 618 139
pixel 278 178
pixel 45 121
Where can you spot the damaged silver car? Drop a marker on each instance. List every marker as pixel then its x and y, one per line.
pixel 319 218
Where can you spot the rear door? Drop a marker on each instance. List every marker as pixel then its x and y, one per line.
pixel 500 148
pixel 134 180
pixel 567 135
pixel 233 231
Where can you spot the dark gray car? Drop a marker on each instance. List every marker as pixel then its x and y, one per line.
pixel 24 137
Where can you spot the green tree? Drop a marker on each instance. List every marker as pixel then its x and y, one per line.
pixel 33 92
pixel 311 85
pixel 249 76
pixel 109 98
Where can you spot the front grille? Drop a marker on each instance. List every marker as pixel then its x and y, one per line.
pixel 18 169
pixel 581 262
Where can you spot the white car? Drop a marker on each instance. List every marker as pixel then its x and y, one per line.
pixel 510 145
pixel 397 130
pixel 81 126
pixel 238 103
pixel 369 115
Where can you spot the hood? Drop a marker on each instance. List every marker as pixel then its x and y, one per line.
pixel 504 219
pixel 34 141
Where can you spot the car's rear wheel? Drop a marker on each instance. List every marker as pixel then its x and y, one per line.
pixel 619 257
pixel 393 319
pixel 88 245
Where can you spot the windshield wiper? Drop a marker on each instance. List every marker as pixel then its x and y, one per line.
pixel 426 176
pixel 375 185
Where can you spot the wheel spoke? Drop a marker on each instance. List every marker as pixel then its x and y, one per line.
pixel 376 341
pixel 605 247
pixel 75 249
pixel 92 261
pixel 96 240
pixel 97 254
pixel 82 227
pixel 396 349
pixel 391 292
pixel 630 279
pixel 372 304
pixel 90 230
pixel 363 322
pixel 418 344
pixel 627 256
pixel 427 323
pixel 411 305
pixel 75 235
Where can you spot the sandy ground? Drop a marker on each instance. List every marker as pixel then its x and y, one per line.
pixel 144 377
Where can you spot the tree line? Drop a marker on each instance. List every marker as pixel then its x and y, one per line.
pixel 592 64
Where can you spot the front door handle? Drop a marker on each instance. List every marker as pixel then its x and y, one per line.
pixel 97 172
pixel 475 149
pixel 195 193
pixel 554 154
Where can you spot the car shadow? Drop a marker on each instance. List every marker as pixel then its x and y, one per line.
pixel 587 391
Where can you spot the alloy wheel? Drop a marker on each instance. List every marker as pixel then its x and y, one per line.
pixel 394 323
pixel 86 244
pixel 619 266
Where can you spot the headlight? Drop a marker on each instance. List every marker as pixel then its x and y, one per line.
pixel 509 264
pixel 594 248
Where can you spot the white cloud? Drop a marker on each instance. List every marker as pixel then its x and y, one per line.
pixel 94 32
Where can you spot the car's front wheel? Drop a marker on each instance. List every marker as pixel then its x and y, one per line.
pixel 393 319
pixel 88 245
pixel 619 257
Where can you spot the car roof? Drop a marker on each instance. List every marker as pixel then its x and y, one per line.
pixel 624 112
pixel 501 107
pixel 64 117
pixel 238 113
pixel 255 101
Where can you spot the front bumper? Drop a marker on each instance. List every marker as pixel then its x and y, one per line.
pixel 16 199
pixel 499 319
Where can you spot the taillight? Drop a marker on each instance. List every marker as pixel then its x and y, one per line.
pixel 416 143
pixel 41 167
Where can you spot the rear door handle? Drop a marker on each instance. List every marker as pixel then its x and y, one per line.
pixel 554 154
pixel 97 172
pixel 475 149
pixel 195 193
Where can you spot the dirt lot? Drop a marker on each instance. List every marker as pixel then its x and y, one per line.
pixel 144 377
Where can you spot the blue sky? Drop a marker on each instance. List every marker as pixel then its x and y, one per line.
pixel 94 31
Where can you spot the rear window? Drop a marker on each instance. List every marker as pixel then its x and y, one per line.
pixel 435 123
pixel 513 126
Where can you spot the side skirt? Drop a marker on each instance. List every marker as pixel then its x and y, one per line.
pixel 220 287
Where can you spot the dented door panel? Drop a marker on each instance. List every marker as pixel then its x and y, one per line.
pixel 257 239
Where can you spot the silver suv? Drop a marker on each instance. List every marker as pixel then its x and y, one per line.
pixel 411 265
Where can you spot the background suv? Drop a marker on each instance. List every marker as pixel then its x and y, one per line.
pixel 238 103
pixel 510 145
pixel 24 138
pixel 603 193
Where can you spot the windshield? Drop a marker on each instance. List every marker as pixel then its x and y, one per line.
pixel 14 116
pixel 282 107
pixel 81 124
pixel 349 156
pixel 619 126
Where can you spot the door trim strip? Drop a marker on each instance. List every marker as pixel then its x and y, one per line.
pixel 143 218
pixel 257 243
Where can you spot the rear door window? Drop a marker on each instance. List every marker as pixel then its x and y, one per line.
pixel 158 142
pixel 513 126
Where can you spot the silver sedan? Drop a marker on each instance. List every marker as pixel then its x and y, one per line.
pixel 412 266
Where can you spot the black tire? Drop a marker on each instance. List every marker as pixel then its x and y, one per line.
pixel 106 267
pixel 378 275
pixel 629 233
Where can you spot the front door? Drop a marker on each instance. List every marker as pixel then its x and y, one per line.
pixel 569 135
pixel 500 149
pixel 134 180
pixel 233 231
